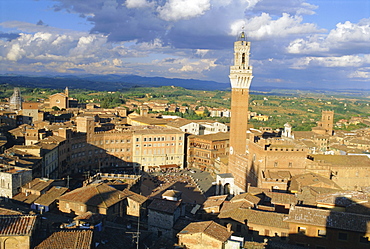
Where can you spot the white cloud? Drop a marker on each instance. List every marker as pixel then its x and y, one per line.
pixel 15 53
pixel 175 10
pixel 201 52
pixel 347 37
pixel 197 66
pixel 362 73
pixel 265 27
pixel 330 61
pixel 138 4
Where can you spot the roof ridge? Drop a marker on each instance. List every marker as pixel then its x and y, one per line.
pixel 100 195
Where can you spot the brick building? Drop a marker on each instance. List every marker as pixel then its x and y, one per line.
pixel 17 231
pixel 204 150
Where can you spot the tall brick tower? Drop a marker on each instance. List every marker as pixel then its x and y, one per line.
pixel 327 121
pixel 240 78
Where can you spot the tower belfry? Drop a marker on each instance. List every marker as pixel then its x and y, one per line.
pixel 240 78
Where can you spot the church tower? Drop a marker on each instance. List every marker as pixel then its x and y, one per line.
pixel 327 121
pixel 240 78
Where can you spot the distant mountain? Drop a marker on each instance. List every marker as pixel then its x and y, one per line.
pixel 113 82
pixel 109 82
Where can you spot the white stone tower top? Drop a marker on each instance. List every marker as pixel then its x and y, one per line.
pixel 241 72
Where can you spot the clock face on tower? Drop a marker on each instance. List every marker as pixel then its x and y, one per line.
pixel 231 150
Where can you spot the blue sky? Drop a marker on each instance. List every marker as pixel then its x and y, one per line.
pixel 295 43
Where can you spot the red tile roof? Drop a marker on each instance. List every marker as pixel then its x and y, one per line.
pixel 329 219
pixel 209 228
pixel 38 184
pixel 214 201
pixel 17 224
pixel 71 239
pixel 5 211
pixel 51 195
pixel 134 196
pixel 164 205
pixel 98 195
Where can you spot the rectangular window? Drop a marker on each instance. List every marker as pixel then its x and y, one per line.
pixel 267 232
pixel 321 233
pixel 342 236
pixel 302 230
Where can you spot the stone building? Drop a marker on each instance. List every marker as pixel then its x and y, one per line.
pixel 32 190
pixel 12 178
pixel 254 224
pixel 135 205
pixel 59 100
pixel 320 228
pixel 162 216
pixel 98 198
pixel 350 172
pixel 31 113
pixel 205 234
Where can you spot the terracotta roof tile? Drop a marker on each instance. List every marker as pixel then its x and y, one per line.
pixel 51 195
pixel 5 211
pixel 328 218
pixel 38 184
pixel 134 196
pixel 17 224
pixel 26 198
pixel 281 198
pixel 214 201
pixel 313 180
pixel 246 197
pixel 252 216
pixel 100 195
pixel 210 228
pixel 164 205
pixel 71 239
pixel 343 160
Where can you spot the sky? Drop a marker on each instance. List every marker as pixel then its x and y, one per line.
pixel 294 43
